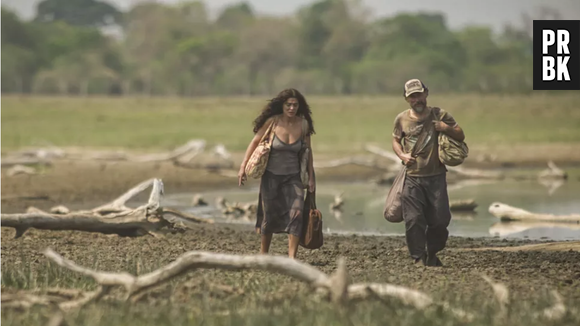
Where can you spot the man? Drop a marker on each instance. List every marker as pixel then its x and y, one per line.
pixel 425 202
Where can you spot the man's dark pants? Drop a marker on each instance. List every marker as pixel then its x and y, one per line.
pixel 426 213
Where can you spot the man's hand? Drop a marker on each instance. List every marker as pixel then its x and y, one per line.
pixel 407 159
pixel 441 126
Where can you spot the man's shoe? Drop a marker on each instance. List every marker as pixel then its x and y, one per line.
pixel 421 260
pixel 433 260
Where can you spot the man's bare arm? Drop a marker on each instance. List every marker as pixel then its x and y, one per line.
pixel 455 132
pixel 398 149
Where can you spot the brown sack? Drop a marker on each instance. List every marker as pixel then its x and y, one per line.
pixel 393 211
pixel 311 237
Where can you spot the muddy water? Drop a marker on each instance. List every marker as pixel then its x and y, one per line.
pixel 363 204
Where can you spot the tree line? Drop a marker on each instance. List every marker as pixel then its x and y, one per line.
pixel 327 47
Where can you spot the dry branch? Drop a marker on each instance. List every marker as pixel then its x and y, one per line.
pixel 112 218
pixel 336 285
pixel 509 213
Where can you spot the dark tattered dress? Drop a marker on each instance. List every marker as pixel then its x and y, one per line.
pixel 281 198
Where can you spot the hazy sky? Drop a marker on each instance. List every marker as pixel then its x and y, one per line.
pixel 459 12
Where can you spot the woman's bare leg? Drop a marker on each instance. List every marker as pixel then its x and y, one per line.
pixel 265 244
pixel 293 242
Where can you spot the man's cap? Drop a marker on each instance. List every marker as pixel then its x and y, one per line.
pixel 414 86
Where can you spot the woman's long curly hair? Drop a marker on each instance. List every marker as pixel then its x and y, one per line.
pixel 275 107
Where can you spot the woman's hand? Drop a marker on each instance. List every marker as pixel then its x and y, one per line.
pixel 311 185
pixel 242 175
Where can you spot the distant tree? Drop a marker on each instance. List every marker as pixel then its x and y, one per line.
pixel 235 16
pixel 326 47
pixel 93 13
pixel 21 53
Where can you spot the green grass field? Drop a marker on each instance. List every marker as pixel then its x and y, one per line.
pixel 343 124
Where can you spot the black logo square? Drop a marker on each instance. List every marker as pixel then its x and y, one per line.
pixel 556 54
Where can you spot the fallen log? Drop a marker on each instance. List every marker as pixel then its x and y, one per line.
pixel 469 173
pixel 462 205
pixel 508 213
pixel 111 218
pixel 335 287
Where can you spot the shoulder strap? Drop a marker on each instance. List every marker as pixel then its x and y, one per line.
pixel 312 199
pixel 436 115
pixel 427 127
pixel 268 134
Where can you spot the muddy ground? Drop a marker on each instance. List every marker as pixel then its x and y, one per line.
pixel 529 274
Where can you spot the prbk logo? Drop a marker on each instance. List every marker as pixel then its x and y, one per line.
pixel 556 54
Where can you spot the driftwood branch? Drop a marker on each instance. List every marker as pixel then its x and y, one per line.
pixel 509 213
pixel 112 218
pixel 337 286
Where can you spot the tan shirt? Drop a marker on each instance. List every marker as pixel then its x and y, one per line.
pixel 408 128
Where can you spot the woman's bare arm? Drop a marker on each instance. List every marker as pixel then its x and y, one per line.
pixel 310 158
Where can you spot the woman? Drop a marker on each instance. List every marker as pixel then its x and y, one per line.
pixel 281 198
